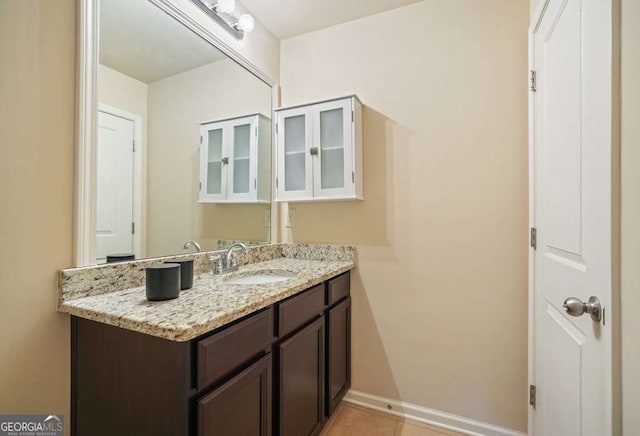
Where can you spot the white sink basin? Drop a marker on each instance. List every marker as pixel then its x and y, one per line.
pixel 260 278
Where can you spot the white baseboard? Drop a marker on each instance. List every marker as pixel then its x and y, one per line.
pixel 429 416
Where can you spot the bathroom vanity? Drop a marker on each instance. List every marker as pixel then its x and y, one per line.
pixel 222 359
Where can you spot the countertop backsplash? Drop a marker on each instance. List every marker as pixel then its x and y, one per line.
pixel 74 283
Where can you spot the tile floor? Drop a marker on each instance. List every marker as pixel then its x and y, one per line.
pixel 351 420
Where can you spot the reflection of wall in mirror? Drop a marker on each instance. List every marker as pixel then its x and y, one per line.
pixel 172 109
pixel 176 106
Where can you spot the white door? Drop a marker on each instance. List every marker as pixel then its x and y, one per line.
pixel 114 186
pixel 571 132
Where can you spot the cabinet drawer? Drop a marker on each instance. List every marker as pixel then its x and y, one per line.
pixel 299 309
pixel 223 352
pixel 338 288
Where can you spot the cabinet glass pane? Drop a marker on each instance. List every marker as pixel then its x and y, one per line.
pixel 241 176
pixel 294 153
pixel 215 145
pixel 294 172
pixel 332 149
pixel 214 177
pixel 241 145
pixel 332 169
pixel 294 134
pixel 214 162
pixel 241 141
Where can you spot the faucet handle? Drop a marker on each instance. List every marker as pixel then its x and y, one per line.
pixel 216 263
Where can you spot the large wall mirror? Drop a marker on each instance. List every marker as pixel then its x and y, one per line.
pixel 182 142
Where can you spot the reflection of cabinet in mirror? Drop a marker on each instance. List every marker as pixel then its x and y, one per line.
pixel 319 151
pixel 235 160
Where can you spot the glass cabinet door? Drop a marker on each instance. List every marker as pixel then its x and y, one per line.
pixel 332 165
pixel 213 168
pixel 294 159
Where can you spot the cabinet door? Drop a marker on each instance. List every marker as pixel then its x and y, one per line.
pixel 295 177
pixel 301 382
pixel 242 176
pixel 213 162
pixel 338 353
pixel 241 407
pixel 333 169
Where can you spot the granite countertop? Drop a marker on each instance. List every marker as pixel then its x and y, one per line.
pixel 211 303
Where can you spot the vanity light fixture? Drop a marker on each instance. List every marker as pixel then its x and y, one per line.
pixel 221 11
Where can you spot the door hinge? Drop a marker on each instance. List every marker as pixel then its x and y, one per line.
pixel 276 128
pixel 134 145
pixel 353 117
pixel 255 183
pixel 256 130
pixel 200 187
pixel 200 139
pixel 532 396
pixel 133 228
pixel 534 238
pixel 533 83
pixel 353 176
pixel 276 182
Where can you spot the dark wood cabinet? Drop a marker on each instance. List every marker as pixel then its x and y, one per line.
pixel 280 371
pixel 126 383
pixel 301 381
pixel 338 375
pixel 240 407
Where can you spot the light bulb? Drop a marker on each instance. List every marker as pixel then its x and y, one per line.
pixel 226 6
pixel 246 23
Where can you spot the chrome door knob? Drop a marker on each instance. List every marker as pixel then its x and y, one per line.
pixel 575 307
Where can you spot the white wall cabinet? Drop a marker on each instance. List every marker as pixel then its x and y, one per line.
pixel 319 151
pixel 235 160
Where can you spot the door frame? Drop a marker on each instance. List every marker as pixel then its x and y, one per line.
pixel 535 21
pixel 613 314
pixel 138 181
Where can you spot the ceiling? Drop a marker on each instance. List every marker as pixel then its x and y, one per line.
pixel 288 18
pixel 141 41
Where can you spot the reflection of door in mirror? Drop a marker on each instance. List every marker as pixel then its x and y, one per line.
pixel 114 219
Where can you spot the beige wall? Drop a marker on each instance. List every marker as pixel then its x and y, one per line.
pixel 37 48
pixel 176 106
pixel 440 292
pixel 630 280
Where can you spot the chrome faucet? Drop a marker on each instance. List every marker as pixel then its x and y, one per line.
pixel 190 243
pixel 227 262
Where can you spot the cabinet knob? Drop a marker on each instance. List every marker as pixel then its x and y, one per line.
pixel 313 151
pixel 225 160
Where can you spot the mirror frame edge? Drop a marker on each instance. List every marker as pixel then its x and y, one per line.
pixel 84 214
